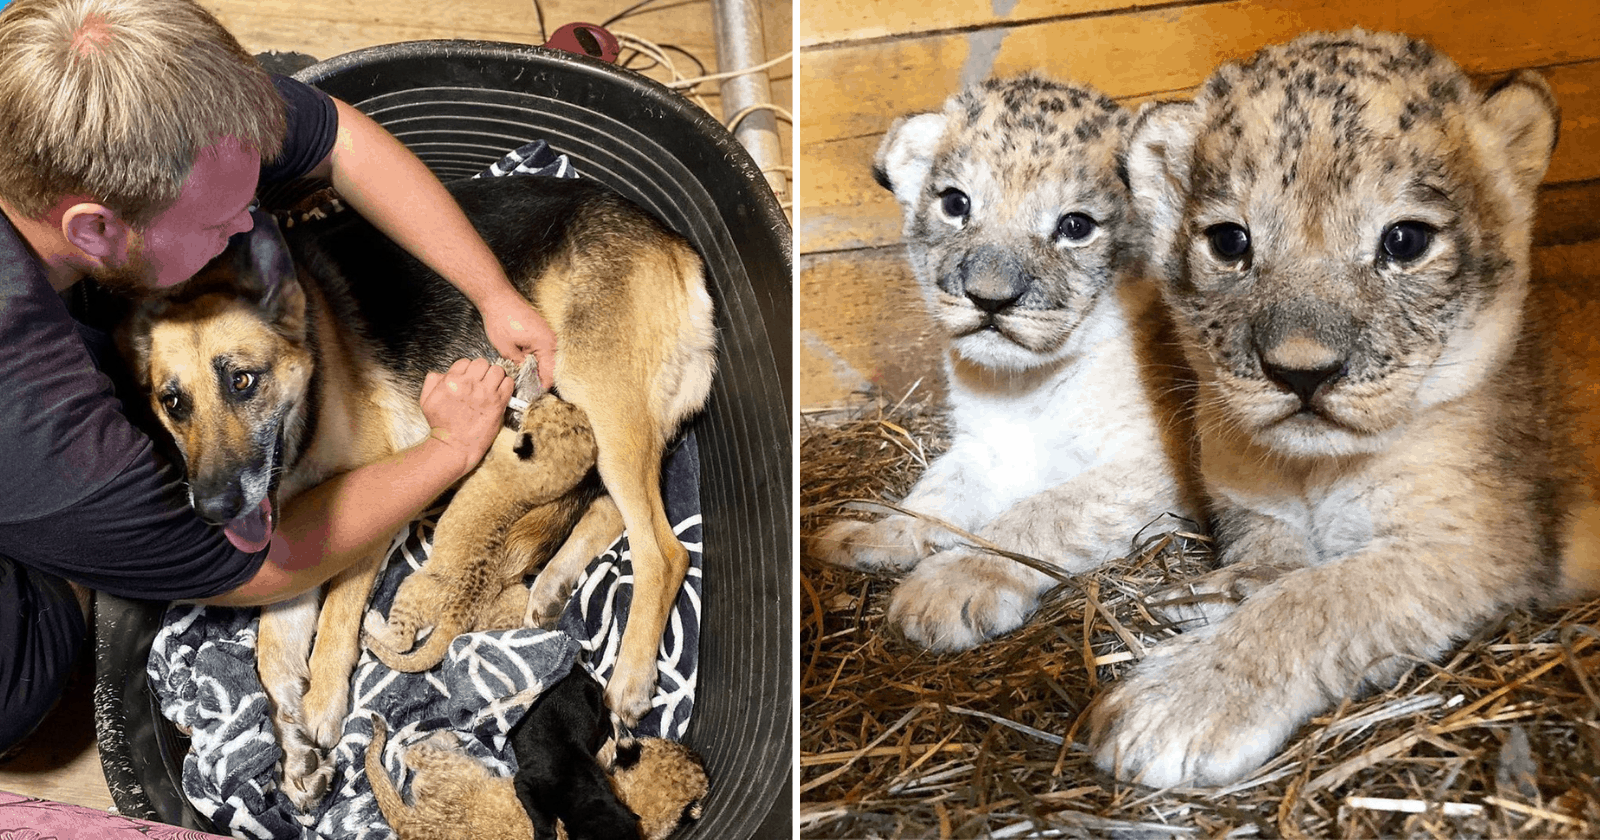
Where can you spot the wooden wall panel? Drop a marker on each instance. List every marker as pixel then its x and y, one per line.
pixel 830 21
pixel 855 89
pixel 869 63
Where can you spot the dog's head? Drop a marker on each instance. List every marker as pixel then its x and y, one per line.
pixel 226 362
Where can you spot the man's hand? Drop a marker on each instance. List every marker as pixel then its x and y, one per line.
pixel 465 407
pixel 516 329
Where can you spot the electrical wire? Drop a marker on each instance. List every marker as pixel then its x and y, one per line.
pixel 781 113
pixel 689 83
pixel 538 12
pixel 626 12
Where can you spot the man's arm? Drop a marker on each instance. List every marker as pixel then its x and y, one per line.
pixel 390 187
pixel 332 526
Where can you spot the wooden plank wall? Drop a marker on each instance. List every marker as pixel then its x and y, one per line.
pixel 864 63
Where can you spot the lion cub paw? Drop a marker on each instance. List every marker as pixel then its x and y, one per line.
pixel 958 599
pixel 1192 713
pixel 1213 596
pixel 892 544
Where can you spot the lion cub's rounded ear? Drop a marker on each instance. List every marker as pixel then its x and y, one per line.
pixel 1522 112
pixel 1159 159
pixel 906 156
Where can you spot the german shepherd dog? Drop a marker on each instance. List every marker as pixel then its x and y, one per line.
pixel 294 357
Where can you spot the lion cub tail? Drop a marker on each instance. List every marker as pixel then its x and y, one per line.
pixel 393 807
pixel 430 653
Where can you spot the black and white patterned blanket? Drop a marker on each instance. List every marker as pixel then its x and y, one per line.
pixel 202 665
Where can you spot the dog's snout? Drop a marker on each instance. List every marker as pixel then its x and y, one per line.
pixel 219 505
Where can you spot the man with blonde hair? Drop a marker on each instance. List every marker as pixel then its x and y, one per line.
pixel 133 136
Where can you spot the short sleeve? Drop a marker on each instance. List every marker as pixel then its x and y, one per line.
pixel 313 125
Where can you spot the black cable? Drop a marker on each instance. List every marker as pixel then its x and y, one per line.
pixel 625 12
pixel 538 10
pixel 692 57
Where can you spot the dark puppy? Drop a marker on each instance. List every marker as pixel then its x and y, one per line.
pixel 558 775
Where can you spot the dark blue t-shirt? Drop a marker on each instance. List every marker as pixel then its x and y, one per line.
pixel 83 492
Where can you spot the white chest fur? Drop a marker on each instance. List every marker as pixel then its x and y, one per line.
pixel 1017 433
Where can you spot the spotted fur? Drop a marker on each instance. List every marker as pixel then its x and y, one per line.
pixel 1066 433
pixel 1378 436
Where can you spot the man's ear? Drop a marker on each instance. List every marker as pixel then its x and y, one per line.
pixel 97 231
pixel 1159 160
pixel 906 156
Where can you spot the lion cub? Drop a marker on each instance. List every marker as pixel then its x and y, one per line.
pixel 454 796
pixel 1342 226
pixel 1066 434
pixel 506 519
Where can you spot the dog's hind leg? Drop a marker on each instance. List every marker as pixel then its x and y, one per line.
pixel 283 643
pixel 629 458
pixel 338 647
pixel 595 532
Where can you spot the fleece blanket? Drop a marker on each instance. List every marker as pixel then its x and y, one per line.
pixel 202 667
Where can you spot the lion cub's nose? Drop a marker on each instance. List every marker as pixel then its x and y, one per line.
pixel 1302 365
pixel 993 299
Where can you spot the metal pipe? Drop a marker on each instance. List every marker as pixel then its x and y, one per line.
pixel 741 43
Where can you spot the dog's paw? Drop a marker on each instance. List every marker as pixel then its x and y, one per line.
pixel 1195 713
pixel 307 771
pixel 324 709
pixel 959 599
pixel 630 691
pixel 1213 596
pixel 893 544
pixel 307 789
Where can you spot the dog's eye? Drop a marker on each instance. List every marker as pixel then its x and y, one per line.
pixel 1228 240
pixel 1405 241
pixel 243 380
pixel 955 203
pixel 174 405
pixel 1075 227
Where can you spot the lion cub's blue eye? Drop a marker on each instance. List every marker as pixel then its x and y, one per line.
pixel 1075 227
pixel 1407 240
pixel 955 203
pixel 1228 240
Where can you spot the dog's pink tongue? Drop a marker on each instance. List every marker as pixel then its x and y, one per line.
pixel 251 533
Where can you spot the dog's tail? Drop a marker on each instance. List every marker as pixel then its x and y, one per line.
pixel 393 807
pixel 429 654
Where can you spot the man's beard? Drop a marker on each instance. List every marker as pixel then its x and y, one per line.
pixel 133 277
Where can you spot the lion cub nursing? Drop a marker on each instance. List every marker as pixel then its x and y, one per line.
pixel 508 517
pixel 1341 226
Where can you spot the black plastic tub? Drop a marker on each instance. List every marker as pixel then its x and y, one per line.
pixel 460 105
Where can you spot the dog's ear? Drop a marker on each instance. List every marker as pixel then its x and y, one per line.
pixel 133 342
pixel 266 270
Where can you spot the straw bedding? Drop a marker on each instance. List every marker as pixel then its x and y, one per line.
pixel 1499 739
